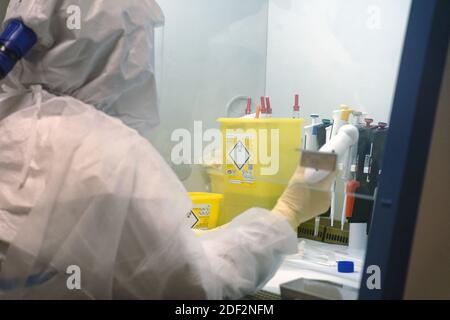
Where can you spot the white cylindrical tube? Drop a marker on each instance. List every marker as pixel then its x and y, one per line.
pixel 358 236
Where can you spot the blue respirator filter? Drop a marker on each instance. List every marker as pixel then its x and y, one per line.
pixel 15 42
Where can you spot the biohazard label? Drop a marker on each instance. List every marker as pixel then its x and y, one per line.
pixel 240 148
pixel 203 211
pixel 192 219
pixel 199 217
pixel 240 155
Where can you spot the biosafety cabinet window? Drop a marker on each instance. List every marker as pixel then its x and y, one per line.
pixel 242 134
pixel 257 88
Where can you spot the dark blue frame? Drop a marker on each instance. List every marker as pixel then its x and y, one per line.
pixel 407 148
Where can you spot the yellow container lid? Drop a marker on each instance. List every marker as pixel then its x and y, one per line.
pixel 205 196
pixel 233 121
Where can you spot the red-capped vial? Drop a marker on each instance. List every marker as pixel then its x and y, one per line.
pixel 296 114
pixel 248 110
pixel 269 110
pixel 263 107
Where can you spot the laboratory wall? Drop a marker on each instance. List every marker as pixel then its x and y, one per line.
pixel 429 271
pixel 214 51
pixel 335 52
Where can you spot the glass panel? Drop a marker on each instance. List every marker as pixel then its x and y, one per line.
pixel 214 57
pixel 337 60
pixel 335 53
pixel 251 89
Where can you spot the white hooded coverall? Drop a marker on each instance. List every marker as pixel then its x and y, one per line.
pixel 79 187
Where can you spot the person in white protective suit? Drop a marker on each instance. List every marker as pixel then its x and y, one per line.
pixel 81 186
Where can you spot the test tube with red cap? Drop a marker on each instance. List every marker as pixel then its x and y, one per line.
pixel 248 110
pixel 263 107
pixel 269 110
pixel 296 114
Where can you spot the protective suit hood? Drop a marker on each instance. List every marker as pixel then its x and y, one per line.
pixel 100 52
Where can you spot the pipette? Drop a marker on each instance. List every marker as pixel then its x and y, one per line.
pixel 359 207
pixel 358 121
pixel 379 140
pixel 340 119
pixel 351 189
pixel 340 144
pixel 369 156
pixel 322 134
pixel 312 144
pixel 349 172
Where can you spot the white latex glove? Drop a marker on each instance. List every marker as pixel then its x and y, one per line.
pixel 301 202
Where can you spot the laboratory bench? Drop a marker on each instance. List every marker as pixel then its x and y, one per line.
pixel 316 264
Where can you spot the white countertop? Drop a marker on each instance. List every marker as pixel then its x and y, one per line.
pixel 317 261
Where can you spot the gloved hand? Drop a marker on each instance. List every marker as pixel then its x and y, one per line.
pixel 301 202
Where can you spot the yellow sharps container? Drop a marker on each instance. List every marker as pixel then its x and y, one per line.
pixel 205 210
pixel 260 156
